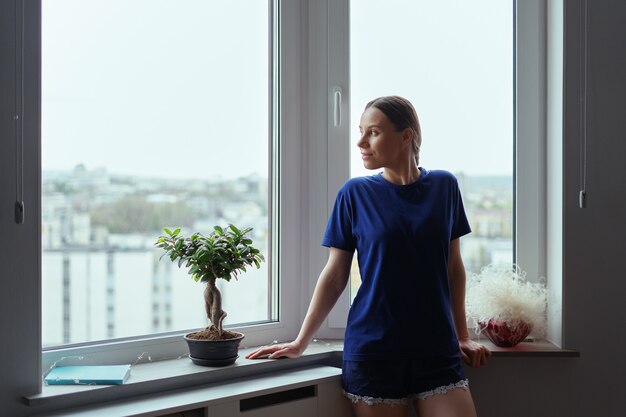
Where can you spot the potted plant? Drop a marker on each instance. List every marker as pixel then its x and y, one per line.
pixel 224 253
pixel 505 306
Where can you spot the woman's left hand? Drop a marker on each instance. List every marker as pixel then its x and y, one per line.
pixel 473 353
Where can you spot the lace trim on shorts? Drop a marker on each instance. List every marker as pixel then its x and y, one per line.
pixel 463 384
pixel 374 401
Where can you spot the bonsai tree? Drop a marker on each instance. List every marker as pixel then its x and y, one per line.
pixel 222 254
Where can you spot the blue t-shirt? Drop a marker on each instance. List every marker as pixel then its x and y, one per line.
pixel 402 235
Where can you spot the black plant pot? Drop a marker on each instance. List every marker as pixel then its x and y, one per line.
pixel 214 352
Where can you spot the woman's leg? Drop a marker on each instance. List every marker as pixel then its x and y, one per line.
pixel 455 403
pixel 379 410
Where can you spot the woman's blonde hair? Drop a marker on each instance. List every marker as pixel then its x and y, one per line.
pixel 402 114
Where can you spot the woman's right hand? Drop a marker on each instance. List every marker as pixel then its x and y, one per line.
pixel 279 350
pixel 330 285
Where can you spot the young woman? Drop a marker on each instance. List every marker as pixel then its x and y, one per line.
pixel 406 336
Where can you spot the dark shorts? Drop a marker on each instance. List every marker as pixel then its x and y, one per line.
pixel 394 381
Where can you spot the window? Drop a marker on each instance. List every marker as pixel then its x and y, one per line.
pixel 178 118
pixel 140 130
pixel 374 50
pixel 310 164
pixel 454 61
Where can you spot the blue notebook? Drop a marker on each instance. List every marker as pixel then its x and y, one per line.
pixel 88 375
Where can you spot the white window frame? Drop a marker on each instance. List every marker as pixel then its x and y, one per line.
pixel 530 121
pixel 287 120
pixel 530 136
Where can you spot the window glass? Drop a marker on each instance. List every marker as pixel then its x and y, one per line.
pixel 154 114
pixel 454 61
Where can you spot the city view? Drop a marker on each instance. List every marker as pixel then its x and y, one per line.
pixel 102 277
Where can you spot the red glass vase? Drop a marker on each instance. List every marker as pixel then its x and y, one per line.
pixel 505 334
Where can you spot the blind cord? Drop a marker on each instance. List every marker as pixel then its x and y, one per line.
pixel 582 197
pixel 19 113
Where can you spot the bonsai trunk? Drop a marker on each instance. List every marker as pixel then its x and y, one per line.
pixel 213 305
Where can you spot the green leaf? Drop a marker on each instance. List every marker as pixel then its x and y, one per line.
pixel 224 253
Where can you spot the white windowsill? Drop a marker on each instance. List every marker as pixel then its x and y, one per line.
pixel 207 395
pixel 539 348
pixel 168 375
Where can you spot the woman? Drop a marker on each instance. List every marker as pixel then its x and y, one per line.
pixel 406 334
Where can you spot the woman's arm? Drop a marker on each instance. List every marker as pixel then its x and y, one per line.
pixel 331 283
pixel 474 354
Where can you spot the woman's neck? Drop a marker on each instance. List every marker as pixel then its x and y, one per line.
pixel 402 176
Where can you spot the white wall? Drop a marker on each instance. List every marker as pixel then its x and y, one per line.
pixel 594 283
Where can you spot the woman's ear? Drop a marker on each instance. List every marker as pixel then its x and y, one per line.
pixel 407 136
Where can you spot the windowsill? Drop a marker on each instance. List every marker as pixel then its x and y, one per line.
pixel 168 375
pixel 539 348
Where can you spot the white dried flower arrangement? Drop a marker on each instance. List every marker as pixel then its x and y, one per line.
pixel 504 293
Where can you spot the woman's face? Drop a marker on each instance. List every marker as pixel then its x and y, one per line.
pixel 381 145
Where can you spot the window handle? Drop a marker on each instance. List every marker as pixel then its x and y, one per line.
pixel 337 106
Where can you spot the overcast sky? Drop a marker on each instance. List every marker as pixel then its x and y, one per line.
pixel 453 60
pixel 147 87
